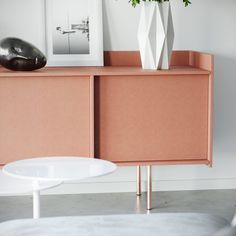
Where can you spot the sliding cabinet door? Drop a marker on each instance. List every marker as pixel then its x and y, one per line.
pixel 141 119
pixel 44 116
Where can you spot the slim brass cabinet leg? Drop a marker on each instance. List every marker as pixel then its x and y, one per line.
pixel 139 187
pixel 149 187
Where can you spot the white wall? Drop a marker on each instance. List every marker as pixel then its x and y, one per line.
pixel 207 25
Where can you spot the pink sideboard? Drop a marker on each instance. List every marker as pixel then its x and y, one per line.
pixel 118 112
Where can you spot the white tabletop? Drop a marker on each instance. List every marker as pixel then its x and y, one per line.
pixel 59 168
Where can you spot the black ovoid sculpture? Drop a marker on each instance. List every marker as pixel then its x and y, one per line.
pixel 19 55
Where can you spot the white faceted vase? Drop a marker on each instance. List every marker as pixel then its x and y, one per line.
pixel 156 35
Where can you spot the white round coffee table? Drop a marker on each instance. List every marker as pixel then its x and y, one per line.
pixel 60 169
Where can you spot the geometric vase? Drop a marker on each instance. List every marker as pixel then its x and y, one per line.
pixel 156 35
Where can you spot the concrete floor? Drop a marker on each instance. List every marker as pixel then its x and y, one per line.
pixel 218 202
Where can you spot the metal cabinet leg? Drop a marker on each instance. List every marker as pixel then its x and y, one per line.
pixel 139 187
pixel 149 187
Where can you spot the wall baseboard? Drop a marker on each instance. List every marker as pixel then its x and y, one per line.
pixel 130 186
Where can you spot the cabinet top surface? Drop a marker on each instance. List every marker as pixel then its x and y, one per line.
pixel 102 71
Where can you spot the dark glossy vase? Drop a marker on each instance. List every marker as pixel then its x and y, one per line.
pixel 19 55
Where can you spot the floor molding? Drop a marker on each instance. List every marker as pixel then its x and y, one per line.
pixel 130 186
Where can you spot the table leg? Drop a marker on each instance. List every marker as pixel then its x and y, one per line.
pixel 36 204
pixel 36 201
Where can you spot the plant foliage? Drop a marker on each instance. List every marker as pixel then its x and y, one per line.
pixel 134 3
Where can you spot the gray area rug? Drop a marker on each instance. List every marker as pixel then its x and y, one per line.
pixel 162 224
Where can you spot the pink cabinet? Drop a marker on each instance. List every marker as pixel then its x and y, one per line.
pixel 118 112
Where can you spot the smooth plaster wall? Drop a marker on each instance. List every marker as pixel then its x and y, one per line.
pixel 207 25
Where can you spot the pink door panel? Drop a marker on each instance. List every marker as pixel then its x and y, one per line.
pixel 152 118
pixel 43 116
